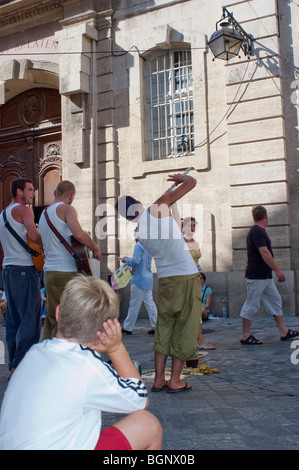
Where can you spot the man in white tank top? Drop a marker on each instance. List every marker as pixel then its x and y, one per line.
pixel 60 265
pixel 21 280
pixel 179 287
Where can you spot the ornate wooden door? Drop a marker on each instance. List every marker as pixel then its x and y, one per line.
pixel 30 143
pixel 30 146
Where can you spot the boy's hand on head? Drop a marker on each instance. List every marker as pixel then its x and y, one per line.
pixel 111 339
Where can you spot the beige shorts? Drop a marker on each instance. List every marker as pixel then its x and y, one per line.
pixel 179 316
pixel 261 290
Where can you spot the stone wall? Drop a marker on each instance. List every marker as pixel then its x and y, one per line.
pixel 231 286
pixel 246 121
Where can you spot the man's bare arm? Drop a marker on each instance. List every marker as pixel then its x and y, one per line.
pixel 76 229
pixel 185 184
pixel 269 260
pixel 24 215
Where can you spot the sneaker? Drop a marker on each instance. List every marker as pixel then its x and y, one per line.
pixel 126 332
pixel 151 332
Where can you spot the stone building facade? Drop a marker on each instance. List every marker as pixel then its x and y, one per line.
pixel 115 95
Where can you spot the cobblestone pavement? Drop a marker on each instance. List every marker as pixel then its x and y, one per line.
pixel 250 404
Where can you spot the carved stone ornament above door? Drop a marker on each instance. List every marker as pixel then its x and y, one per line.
pixel 31 108
pixel 52 156
pixel 12 163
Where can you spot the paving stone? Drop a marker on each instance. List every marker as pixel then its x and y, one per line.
pixel 251 404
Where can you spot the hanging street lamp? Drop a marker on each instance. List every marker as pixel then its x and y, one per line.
pixel 226 42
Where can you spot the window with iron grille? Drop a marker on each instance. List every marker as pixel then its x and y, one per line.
pixel 169 105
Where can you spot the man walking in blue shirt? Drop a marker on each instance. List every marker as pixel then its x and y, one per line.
pixel 141 289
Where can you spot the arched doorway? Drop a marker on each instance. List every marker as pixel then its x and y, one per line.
pixel 30 143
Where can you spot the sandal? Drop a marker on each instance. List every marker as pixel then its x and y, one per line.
pixel 159 389
pixel 250 340
pixel 291 334
pixel 205 347
pixel 186 388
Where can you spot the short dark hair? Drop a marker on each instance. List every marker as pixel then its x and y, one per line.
pixel 259 213
pixel 65 188
pixel 18 183
pixel 126 206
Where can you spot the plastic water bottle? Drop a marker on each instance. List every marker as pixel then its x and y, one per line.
pixel 224 311
pixel 138 366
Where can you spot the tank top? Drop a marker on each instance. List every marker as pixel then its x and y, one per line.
pixel 163 239
pixel 194 254
pixel 57 256
pixel 14 253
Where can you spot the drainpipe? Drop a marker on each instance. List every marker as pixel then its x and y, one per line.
pixel 93 137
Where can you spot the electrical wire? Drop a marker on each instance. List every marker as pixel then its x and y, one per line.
pixel 114 53
pixel 234 102
pixel 135 49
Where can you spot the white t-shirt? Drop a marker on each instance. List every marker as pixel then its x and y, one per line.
pixel 163 239
pixel 56 395
pixel 14 253
pixel 57 256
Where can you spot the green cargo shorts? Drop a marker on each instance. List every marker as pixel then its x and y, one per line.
pixel 55 282
pixel 179 316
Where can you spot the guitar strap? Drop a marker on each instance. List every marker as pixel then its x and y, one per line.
pixel 17 237
pixel 60 238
